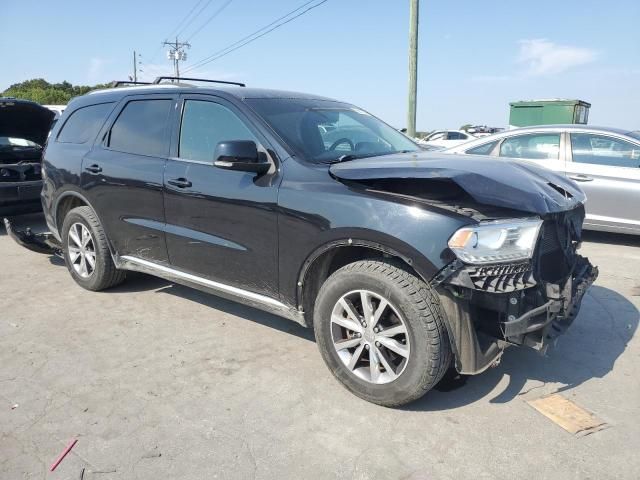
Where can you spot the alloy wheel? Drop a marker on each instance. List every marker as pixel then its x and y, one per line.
pixel 82 250
pixel 370 336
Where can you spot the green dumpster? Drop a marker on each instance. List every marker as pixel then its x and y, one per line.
pixel 547 112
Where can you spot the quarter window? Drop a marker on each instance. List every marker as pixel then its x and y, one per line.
pixel 603 150
pixel 141 128
pixel 535 146
pixel 485 149
pixel 204 125
pixel 84 123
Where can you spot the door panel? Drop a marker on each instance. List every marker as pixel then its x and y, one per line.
pixel 220 224
pixel 613 192
pixel 125 188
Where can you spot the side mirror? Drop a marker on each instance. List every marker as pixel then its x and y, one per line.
pixel 241 155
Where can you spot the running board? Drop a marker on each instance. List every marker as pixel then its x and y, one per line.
pixel 253 299
pixel 45 243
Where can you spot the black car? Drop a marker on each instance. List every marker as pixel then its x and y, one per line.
pixel 24 126
pixel 406 263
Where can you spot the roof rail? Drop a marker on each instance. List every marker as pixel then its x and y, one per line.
pixel 118 83
pixel 159 79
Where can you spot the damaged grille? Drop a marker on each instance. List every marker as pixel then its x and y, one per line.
pixel 502 278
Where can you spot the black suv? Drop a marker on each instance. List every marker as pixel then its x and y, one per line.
pixel 405 263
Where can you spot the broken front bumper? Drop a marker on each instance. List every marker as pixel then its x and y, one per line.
pixel 508 307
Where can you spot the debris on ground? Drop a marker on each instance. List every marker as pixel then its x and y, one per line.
pixel 64 453
pixel 566 414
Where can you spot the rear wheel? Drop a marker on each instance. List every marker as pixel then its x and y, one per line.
pixel 86 251
pixel 381 333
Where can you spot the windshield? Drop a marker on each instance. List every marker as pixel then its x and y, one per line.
pixel 325 131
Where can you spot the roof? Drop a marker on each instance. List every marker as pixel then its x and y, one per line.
pixel 238 92
pixel 547 101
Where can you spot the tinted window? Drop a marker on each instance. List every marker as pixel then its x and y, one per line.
pixel 83 124
pixel 603 150
pixel 485 149
pixel 539 146
pixel 204 125
pixel 140 128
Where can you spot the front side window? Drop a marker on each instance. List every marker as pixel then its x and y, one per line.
pixel 485 149
pixel 141 128
pixel 325 131
pixel 537 146
pixel 84 123
pixel 204 125
pixel 603 150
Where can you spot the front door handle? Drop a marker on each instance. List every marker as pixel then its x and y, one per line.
pixel 94 168
pixel 581 178
pixel 180 182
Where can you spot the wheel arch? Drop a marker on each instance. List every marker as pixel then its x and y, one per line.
pixel 331 256
pixel 66 202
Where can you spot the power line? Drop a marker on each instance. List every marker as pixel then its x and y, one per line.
pixel 254 36
pixel 177 28
pixel 215 14
pixel 186 25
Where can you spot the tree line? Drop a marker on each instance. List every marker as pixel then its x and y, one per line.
pixel 43 92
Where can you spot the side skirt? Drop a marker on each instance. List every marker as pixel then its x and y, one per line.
pixel 252 299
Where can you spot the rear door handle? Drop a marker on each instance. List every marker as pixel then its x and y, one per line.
pixel 581 178
pixel 94 168
pixel 180 182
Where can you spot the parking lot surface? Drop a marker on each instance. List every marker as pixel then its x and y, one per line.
pixel 158 381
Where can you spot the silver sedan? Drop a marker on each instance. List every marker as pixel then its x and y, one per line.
pixel 604 161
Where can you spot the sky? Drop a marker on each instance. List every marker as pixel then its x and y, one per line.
pixel 474 57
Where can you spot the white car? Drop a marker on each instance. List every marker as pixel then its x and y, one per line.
pixel 447 138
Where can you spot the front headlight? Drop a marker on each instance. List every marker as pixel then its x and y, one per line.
pixel 496 241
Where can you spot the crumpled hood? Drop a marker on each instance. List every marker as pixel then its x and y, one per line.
pixel 508 183
pixel 25 119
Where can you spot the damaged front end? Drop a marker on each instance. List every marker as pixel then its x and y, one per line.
pixel 529 303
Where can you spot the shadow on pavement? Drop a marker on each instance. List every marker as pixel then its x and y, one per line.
pixel 589 349
pixel 240 310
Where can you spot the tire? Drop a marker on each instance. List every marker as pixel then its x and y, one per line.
pixel 104 273
pixel 412 307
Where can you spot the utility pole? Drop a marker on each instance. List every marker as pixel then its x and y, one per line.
pixel 413 67
pixel 135 67
pixel 177 53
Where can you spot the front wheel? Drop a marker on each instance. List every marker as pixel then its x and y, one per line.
pixel 381 333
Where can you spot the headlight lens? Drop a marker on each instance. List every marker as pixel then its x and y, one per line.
pixel 496 241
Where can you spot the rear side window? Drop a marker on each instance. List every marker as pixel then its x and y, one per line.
pixel 141 128
pixel 485 149
pixel 204 125
pixel 603 150
pixel 83 124
pixel 537 146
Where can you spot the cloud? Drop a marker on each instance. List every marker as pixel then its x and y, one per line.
pixel 543 57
